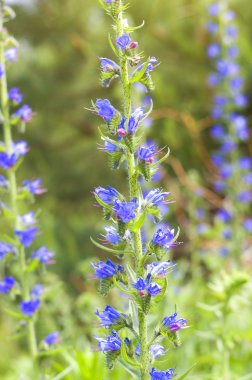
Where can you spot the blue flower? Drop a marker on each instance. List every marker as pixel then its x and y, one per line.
pixel 7 160
pixel 248 179
pixel 156 197
pixel 248 224
pixel 157 350
pixel 109 316
pixel 15 96
pixel 146 154
pixel 217 131
pixel 111 343
pixel 244 196
pixel 224 216
pixel 1 70
pixel 161 375
pixel 214 9
pixel 29 307
pixel 163 238
pixel 245 163
pixel 5 248
pixel 52 338
pixel 109 147
pixel 160 269
pixel 24 113
pixel 212 27
pixel 34 187
pixel 27 236
pixel 153 64
pixel 105 270
pixel 125 210
pixel 112 235
pixel 107 194
pixel 147 286
pixel 28 219
pixel 3 181
pixel 11 54
pixel 7 284
pixel 135 119
pixel 213 50
pixel 107 65
pixel 105 109
pixel 123 41
pixel 173 323
pixel 37 291
pixel 43 255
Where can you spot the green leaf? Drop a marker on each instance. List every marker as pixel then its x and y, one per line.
pixel 186 373
pixel 14 314
pixel 62 374
pixel 161 159
pixel 112 45
pixel 134 373
pixel 137 75
pixel 34 264
pixel 107 249
pixel 53 352
pixel 116 143
pixel 128 360
pixel 132 28
pixel 139 222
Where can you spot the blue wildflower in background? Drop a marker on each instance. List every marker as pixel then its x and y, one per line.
pixel 52 338
pixel 7 284
pixel 28 308
pixel 27 236
pixel 43 255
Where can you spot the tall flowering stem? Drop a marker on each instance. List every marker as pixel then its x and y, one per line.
pixel 21 230
pixel 146 284
pixel 230 130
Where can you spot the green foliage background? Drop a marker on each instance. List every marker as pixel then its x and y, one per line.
pixel 58 71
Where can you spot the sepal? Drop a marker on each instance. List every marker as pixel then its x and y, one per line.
pixel 111 357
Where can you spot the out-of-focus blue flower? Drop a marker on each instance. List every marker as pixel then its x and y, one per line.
pixel 213 79
pixel 29 307
pixel 15 95
pixel 28 219
pixel 231 30
pixel 173 323
pixel 248 179
pixel 123 41
pixel 223 215
pixel 214 9
pixel 125 211
pixel 11 54
pixel 43 255
pixel 5 248
pixel 106 195
pixel 212 27
pixel 248 224
pixel 135 119
pixel 146 286
pixel 157 350
pixel 213 50
pixel 112 235
pixel 27 236
pixel 161 375
pixel 111 343
pixel 244 196
pixel 105 109
pixel 245 163
pixel 153 64
pixel 233 51
pixel 37 291
pixel 109 316
pixel 24 113
pixel 7 284
pixel 107 269
pixel 34 187
pixel 217 131
pixel 1 70
pixel 52 338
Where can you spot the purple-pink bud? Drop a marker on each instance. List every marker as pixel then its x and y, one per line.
pixel 121 132
pixel 133 45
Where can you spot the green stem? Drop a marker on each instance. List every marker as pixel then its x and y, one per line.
pixel 13 188
pixel 133 190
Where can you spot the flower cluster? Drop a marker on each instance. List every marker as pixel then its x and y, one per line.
pixel 121 134
pixel 22 228
pixel 230 128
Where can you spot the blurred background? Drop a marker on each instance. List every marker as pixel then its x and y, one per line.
pixel 58 71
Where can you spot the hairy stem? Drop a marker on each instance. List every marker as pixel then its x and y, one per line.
pixel 133 191
pixel 13 188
